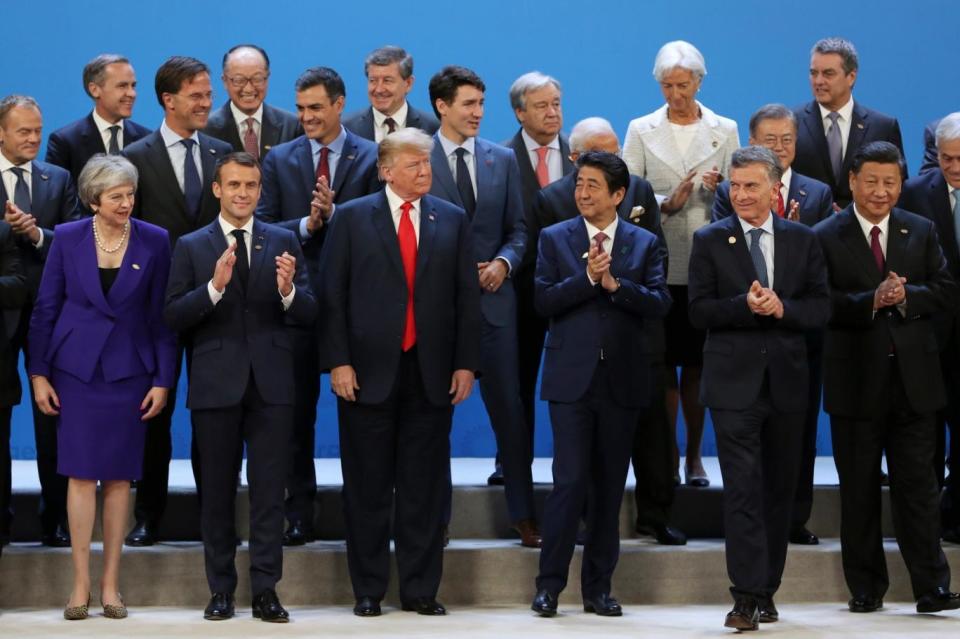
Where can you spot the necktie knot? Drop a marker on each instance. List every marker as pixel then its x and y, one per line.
pixel 875 232
pixel 833 116
pixel 249 122
pixel 113 148
pixel 391 125
pixel 405 208
pixel 16 170
pixel 543 171
pixel 188 143
pixel 461 152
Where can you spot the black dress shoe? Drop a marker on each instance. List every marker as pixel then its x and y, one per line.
pixel 59 537
pixel 544 603
pixel 665 535
pixel 424 606
pixel 938 600
pixel 367 607
pixel 496 477
pixel 220 606
pixel 744 616
pixel 865 604
pixel 603 605
pixel 143 534
pixel 297 534
pixel 803 537
pixel 266 606
pixel 952 535
pixel 767 610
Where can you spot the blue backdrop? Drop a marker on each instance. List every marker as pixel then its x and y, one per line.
pixel 756 52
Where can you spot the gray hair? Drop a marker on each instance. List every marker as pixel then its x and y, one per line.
pixel 102 173
pixel 385 56
pixel 949 128
pixel 406 139
pixel 96 70
pixel 526 83
pixel 842 47
pixel 679 55
pixel 748 155
pixel 14 100
pixel 772 112
pixel 586 129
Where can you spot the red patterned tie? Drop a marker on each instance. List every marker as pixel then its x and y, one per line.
pixel 250 143
pixel 543 171
pixel 408 255
pixel 877 251
pixel 323 166
pixel 600 238
pixel 780 210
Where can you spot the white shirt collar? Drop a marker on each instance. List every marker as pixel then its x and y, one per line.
pixel 400 117
pixel 395 201
pixel 102 125
pixel 610 231
pixel 766 226
pixel 229 228
pixel 785 181
pixel 866 225
pixel 6 164
pixel 846 111
pixel 450 147
pixel 533 145
pixel 240 117
pixel 170 137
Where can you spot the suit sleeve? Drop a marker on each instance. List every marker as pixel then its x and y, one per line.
pixel 634 153
pixel 68 211
pixel 58 151
pixel 164 340
pixel 187 300
pixel 648 297
pixel 46 311
pixel 552 293
pixel 303 309
pixel 930 160
pixel 721 203
pixel 811 308
pixel 516 231
pixel 853 309
pixel 707 309
pixel 939 291
pixel 469 324
pixel 334 294
pixel 13 284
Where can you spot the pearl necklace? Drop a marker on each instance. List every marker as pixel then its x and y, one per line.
pixel 96 237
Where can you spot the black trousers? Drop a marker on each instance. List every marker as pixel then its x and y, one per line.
pixel 803 496
pixel 759 451
pixel 220 435
pixel 592 439
pixel 948 420
pixel 653 455
pixel 302 476
pixel 395 456
pixel 531 330
pixel 6 514
pixel 909 440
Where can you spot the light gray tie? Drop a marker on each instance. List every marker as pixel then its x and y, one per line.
pixel 835 145
pixel 756 254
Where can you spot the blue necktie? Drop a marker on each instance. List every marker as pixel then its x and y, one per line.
pixel 114 148
pixel 464 184
pixel 21 194
pixel 756 254
pixel 192 190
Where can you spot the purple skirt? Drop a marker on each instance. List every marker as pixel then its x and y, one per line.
pixel 99 433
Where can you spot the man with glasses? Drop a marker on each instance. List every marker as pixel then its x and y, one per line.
pixel 245 121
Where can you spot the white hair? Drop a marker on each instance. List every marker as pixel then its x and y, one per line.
pixel 678 55
pixel 586 129
pixel 949 128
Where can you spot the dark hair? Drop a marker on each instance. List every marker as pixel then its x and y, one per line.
pixel 8 103
pixel 446 81
pixel 266 58
pixel 882 152
pixel 772 112
pixel 239 157
pixel 613 168
pixel 385 56
pixel 322 76
pixel 756 154
pixel 174 72
pixel 95 71
pixel 843 48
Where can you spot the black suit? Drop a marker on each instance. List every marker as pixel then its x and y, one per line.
pixel 755 384
pixel 160 201
pixel 882 386
pixel 277 126
pixel 71 146
pixel 930 159
pixel 813 156
pixel 361 122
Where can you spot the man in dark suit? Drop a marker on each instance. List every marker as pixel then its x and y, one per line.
pixel 543 156
pixel 653 443
pixel 931 161
pixel 236 286
pixel 882 382
pixel 110 81
pixel 176 165
pixel 246 122
pixel 597 281
pixel 35 197
pixel 389 72
pixel 757 285
pixel 934 195
pixel 13 294
pixel 304 180
pixel 399 331
pixel 833 127
pixel 808 201
pixel 483 178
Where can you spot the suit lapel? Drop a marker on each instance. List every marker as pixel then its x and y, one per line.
pixel 566 166
pixel 898 238
pixel 304 155
pixel 527 171
pixel 859 125
pixel 92 141
pixel 160 162
pixel 814 124
pixel 40 190
pixel 345 164
pixel 442 174
pixel 579 241
pixel 781 253
pixel 428 231
pixel 231 127
pixel 367 123
pixel 484 168
pixel 852 235
pixel 623 243
pixel 943 217
pixel 269 130
pixel 85 254
pixel 741 249
pixel 660 141
pixel 208 160
pixel 383 223
pixel 132 268
pixel 260 248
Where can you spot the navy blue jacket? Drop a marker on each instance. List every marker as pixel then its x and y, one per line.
pixel 71 146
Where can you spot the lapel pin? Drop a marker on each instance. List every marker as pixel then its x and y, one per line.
pixel 44 176
pixel 732 240
pixel 803 193
pixel 583 257
pixel 213 151
pixel 715 144
pixel 431 217
pixel 136 267
pixel 267 147
pixel 350 157
pixel 258 246
pixel 859 125
pixel 489 162
pixel 623 250
pixel 904 231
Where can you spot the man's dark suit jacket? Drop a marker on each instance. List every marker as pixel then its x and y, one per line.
pixel 246 330
pixel 278 126
pixel 71 146
pixel 813 156
pixel 930 159
pixel 54 200
pixel 858 341
pixel 13 294
pixel 586 320
pixel 497 226
pixel 363 305
pixel 742 349
pixel 361 122
pixel 159 198
pixel 813 196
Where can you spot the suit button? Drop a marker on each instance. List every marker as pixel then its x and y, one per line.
pixel 763 350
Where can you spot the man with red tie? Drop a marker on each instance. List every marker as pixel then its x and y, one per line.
pixel 399 333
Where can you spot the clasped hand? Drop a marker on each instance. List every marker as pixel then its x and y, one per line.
pixel 598 269
pixel 764 301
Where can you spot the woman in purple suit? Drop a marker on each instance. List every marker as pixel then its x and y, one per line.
pixel 102 359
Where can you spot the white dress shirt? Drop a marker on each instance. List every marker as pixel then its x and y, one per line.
pixel 228 229
pixel 178 152
pixel 10 182
pixel 785 190
pixel 766 242
pixel 380 129
pixel 396 211
pixel 610 231
pixel 241 119
pixel 867 227
pixel 844 122
pixel 554 157
pixel 104 127
pixel 470 157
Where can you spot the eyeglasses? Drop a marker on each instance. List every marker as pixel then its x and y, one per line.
pixel 239 81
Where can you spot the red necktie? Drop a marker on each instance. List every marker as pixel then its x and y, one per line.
pixel 877 251
pixel 600 238
pixel 250 143
pixel 408 255
pixel 543 172
pixel 323 166
pixel 780 209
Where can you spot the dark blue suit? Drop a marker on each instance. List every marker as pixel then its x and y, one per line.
pixel 930 159
pixel 596 380
pixel 277 126
pixel 71 146
pixel 396 436
pixel 241 390
pixel 13 294
pixel 361 122
pixel 755 377
pixel 498 230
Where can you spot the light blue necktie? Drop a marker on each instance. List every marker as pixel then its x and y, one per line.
pixel 756 254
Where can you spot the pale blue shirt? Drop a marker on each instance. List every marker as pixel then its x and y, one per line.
pixel 470 157
pixel 178 152
pixel 333 159
pixel 766 242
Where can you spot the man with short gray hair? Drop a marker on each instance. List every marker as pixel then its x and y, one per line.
pixel 389 72
pixel 111 83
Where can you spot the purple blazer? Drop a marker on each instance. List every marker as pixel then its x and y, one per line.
pixel 74 326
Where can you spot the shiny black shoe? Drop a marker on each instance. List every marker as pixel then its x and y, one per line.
pixel 496 477
pixel 665 535
pixel 297 534
pixel 266 607
pixel 367 607
pixel 767 610
pixel 603 605
pixel 803 537
pixel 424 606
pixel 544 604
pixel 939 600
pixel 952 535
pixel 59 537
pixel 863 603
pixel 744 616
pixel 220 607
pixel 143 534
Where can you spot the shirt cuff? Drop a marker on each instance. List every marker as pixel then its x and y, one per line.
pixel 304 233
pixel 288 299
pixel 507 262
pixel 590 279
pixel 39 243
pixel 215 295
